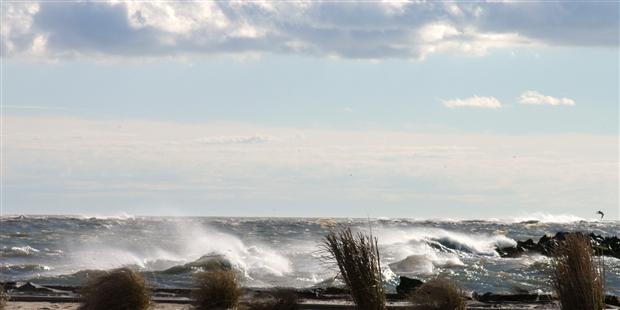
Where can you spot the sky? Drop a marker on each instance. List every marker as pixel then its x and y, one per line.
pixel 417 109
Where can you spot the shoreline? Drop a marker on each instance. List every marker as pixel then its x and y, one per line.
pixel 301 306
pixel 65 297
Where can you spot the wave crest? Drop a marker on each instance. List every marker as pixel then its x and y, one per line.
pixel 18 251
pixel 541 217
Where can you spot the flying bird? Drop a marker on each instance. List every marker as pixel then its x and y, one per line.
pixel 601 213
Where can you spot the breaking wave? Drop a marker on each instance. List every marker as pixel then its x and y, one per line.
pixel 550 218
pixel 422 250
pixel 187 243
pixel 23 268
pixel 18 251
pixel 255 258
pixel 481 244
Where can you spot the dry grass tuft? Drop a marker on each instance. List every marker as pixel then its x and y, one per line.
pixel 281 299
pixel 120 289
pixel 4 298
pixel 438 294
pixel 577 276
pixel 357 256
pixel 216 289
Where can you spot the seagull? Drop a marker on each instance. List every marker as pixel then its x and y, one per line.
pixel 601 213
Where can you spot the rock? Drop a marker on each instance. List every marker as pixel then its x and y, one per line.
pixel 608 246
pixel 407 285
pixel 530 222
pixel 325 289
pixel 30 287
pixel 612 300
pixel 208 262
pixel 329 287
pixel 516 298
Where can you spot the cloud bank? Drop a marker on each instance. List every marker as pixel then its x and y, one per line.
pixel 357 30
pixel 67 164
pixel 536 98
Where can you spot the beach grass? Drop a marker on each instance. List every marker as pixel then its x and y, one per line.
pixel 438 294
pixel 217 289
pixel 120 289
pixel 4 298
pixel 357 257
pixel 577 276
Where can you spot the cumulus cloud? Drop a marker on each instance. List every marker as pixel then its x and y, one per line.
pixel 534 97
pixel 366 30
pixel 473 102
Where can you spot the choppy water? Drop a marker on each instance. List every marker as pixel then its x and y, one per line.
pixel 280 252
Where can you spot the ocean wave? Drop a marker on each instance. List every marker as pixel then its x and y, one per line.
pixel 422 251
pixel 537 217
pixel 118 216
pixel 414 240
pixel 21 268
pixel 280 252
pixel 18 251
pixel 252 259
pixel 190 242
pixel 546 218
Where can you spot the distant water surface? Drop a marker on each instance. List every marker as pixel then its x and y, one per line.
pixel 280 251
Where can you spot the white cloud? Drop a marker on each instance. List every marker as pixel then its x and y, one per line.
pixel 534 97
pixel 473 102
pixel 361 30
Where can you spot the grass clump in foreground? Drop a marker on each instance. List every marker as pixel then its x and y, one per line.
pixel 357 256
pixel 280 299
pixel 577 276
pixel 4 298
pixel 217 289
pixel 120 289
pixel 438 294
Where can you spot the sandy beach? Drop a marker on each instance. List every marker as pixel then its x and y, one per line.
pixel 305 305
pixel 71 306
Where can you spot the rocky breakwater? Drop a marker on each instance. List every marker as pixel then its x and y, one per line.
pixel 607 246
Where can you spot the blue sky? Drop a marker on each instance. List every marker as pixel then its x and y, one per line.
pixel 443 109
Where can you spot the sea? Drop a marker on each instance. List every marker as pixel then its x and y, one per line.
pixel 284 252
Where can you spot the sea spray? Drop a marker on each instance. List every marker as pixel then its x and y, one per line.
pixel 184 242
pixel 258 258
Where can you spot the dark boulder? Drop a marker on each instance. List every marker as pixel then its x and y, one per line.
pixel 328 288
pixel 209 262
pixel 608 246
pixel 407 285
